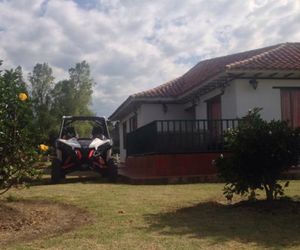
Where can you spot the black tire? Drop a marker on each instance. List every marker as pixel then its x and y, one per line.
pixel 57 174
pixel 112 170
pixel 104 172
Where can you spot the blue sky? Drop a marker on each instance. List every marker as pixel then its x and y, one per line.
pixel 133 45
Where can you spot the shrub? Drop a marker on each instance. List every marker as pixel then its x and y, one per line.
pixel 17 153
pixel 259 152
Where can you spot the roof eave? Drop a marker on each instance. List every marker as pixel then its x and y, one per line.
pixel 131 102
pixel 115 115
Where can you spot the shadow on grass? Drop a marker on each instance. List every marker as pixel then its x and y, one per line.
pixel 269 226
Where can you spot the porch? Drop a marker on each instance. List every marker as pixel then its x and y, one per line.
pixel 179 136
pixel 175 149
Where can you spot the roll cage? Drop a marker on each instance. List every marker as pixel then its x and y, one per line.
pixel 99 122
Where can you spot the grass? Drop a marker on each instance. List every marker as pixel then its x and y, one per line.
pixel 191 216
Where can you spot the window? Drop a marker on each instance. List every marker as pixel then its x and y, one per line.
pixel 290 106
pixel 133 123
pixel 124 129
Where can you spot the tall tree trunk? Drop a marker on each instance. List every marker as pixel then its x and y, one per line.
pixel 269 192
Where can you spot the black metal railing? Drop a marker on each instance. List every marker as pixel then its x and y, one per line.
pixel 179 136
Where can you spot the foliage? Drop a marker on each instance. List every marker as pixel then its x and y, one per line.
pixel 82 83
pixel 53 100
pixel 26 121
pixel 17 153
pixel 42 82
pixel 73 96
pixel 259 152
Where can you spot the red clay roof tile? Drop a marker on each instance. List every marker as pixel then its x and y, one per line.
pixel 284 56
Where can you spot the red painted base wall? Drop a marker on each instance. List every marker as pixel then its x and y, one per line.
pixel 171 165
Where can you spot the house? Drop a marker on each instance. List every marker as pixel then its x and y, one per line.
pixel 177 128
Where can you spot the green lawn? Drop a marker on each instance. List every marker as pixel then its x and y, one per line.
pixel 191 216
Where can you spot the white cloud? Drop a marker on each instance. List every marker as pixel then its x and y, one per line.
pixel 133 45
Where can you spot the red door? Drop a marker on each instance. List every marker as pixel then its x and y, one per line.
pixel 290 106
pixel 214 108
pixel 214 116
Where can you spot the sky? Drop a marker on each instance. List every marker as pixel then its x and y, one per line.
pixel 134 45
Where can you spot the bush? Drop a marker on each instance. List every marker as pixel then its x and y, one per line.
pixel 259 152
pixel 17 153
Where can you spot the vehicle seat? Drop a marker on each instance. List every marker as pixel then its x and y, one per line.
pixel 69 132
pixel 97 133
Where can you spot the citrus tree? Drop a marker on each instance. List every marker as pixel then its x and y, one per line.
pixel 17 153
pixel 259 152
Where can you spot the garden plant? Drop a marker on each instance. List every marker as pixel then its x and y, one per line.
pixel 17 152
pixel 259 152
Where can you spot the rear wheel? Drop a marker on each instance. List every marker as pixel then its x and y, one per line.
pixel 112 170
pixel 57 173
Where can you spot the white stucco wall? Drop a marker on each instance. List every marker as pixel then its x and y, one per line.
pixel 126 120
pixel 228 99
pixel 122 150
pixel 265 96
pixel 240 96
pixel 151 112
pixel 229 102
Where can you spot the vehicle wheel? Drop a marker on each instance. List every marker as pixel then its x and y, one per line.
pixel 104 172
pixel 57 174
pixel 112 170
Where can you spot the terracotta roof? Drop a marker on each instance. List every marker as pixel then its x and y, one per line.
pixel 284 56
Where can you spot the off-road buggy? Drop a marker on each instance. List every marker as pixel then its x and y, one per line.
pixel 83 144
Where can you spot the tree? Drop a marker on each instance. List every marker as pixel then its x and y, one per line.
pixel 83 83
pixel 74 96
pixel 259 152
pixel 42 83
pixel 17 153
pixel 64 100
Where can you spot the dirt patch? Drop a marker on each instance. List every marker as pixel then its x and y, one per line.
pixel 27 220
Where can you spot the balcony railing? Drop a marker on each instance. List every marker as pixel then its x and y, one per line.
pixel 179 136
